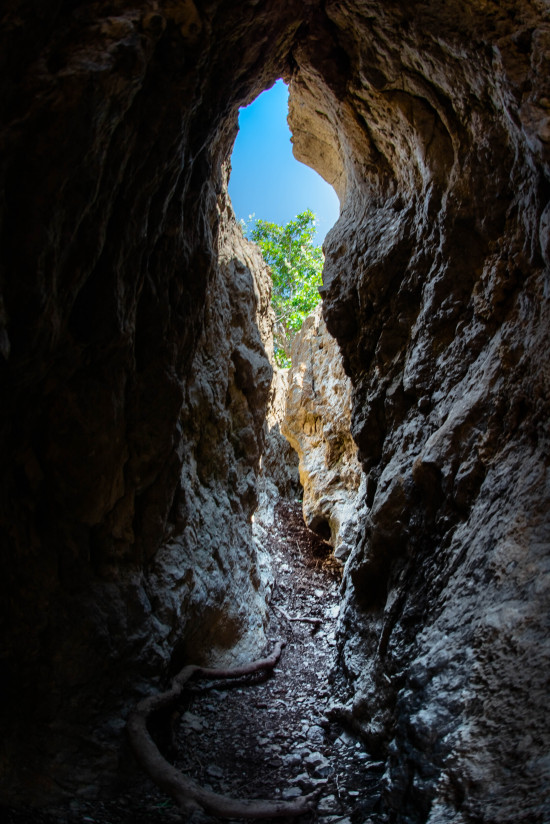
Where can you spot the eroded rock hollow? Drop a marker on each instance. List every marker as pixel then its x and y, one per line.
pixel 317 423
pixel 135 379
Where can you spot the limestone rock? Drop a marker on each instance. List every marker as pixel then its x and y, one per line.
pixel 222 423
pixel 279 476
pixel 435 286
pixel 121 464
pixel 317 424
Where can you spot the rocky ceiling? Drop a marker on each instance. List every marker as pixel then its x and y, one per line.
pixel 134 378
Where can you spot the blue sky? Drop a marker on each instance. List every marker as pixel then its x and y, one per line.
pixel 266 179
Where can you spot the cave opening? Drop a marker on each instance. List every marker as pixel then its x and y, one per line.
pixel 135 379
pixel 268 184
pixel 267 181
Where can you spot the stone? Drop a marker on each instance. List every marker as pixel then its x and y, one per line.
pixel 291 792
pixel 317 423
pixel 315 734
pixel 135 377
pixel 192 722
pixel 327 804
pixel 347 739
pixel 314 758
pixel 306 783
pixel 318 765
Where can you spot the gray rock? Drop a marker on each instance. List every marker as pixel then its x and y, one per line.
pixel 347 739
pixel 314 758
pixel 308 783
pixel 316 734
pixel 318 765
pixel 192 722
pixel 327 804
pixel 291 792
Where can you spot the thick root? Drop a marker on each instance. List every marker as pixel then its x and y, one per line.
pixel 188 795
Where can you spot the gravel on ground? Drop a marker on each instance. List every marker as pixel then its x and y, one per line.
pixel 267 740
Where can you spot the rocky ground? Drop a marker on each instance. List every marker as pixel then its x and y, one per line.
pixel 273 739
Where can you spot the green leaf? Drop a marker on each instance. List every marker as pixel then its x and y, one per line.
pixel 296 268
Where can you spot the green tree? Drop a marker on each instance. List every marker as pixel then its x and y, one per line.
pixel 296 266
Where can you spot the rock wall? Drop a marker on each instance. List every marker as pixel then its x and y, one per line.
pixel 134 382
pixel 436 287
pixel 203 582
pixel 279 467
pixel 431 120
pixel 317 423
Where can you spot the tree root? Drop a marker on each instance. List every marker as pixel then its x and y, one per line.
pixel 188 795
pixel 315 621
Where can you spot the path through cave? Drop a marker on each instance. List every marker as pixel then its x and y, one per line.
pixel 278 739
pixel 135 375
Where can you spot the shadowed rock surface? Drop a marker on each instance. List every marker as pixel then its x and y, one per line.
pixel 436 288
pixel 134 381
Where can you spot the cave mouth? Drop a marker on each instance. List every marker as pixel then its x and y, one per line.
pixel 267 182
pixel 135 379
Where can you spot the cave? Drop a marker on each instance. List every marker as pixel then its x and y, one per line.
pixel 135 370
pixel 321 527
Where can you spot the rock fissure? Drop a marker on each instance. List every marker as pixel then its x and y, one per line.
pixel 135 367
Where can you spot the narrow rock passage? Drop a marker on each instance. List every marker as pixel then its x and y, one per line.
pixel 273 739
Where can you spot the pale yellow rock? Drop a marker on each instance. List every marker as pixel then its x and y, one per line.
pixel 317 424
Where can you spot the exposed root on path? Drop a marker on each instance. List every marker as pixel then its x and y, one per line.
pixel 188 795
pixel 315 621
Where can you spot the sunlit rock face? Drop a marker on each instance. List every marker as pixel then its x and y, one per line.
pixel 431 120
pixel 279 476
pixel 317 424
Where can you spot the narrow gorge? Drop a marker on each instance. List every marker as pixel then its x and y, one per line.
pixel 138 424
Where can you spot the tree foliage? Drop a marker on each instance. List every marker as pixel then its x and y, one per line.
pixel 296 266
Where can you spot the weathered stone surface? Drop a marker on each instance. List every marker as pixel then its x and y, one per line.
pixel 436 288
pixel 317 424
pixel 203 583
pixel 130 435
pixel 278 477
pixel 431 119
pixel 279 467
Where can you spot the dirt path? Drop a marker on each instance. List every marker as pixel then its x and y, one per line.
pixel 270 740
pixel 273 739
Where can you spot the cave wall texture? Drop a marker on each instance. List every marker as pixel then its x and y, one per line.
pixel 317 422
pixel 129 363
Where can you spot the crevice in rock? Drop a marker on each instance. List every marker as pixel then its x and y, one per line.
pixel 130 433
